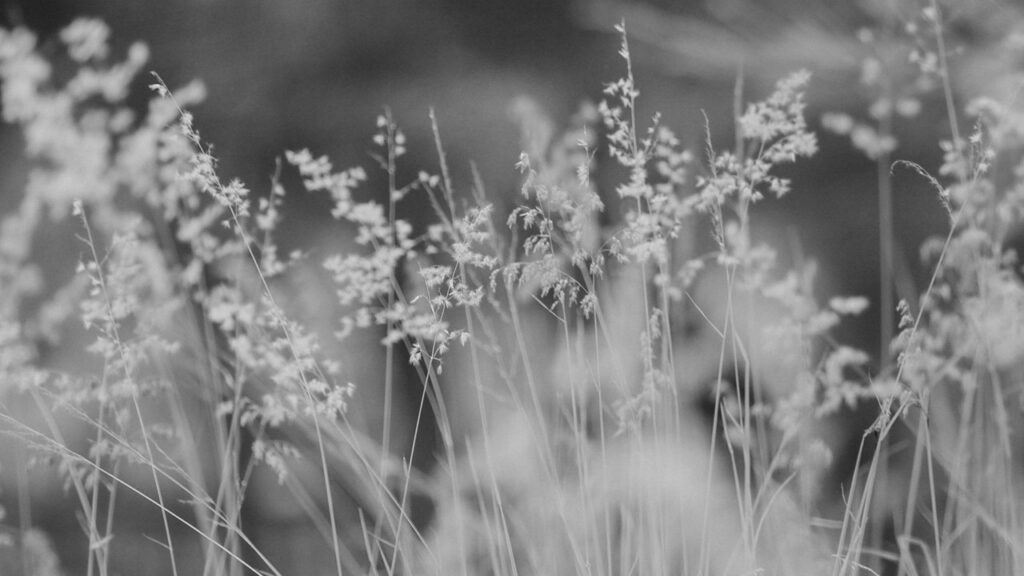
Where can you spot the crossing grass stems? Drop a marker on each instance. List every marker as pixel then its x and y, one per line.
pixel 584 460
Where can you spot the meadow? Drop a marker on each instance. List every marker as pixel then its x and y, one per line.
pixel 610 373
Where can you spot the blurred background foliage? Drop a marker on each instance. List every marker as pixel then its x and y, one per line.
pixel 287 74
pixel 290 74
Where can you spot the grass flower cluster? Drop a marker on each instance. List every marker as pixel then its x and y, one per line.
pixel 609 393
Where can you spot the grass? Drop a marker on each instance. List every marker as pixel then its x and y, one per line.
pixel 606 399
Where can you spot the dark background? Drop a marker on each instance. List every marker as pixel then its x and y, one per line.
pixel 288 74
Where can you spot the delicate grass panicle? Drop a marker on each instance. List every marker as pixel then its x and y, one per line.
pixel 608 398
